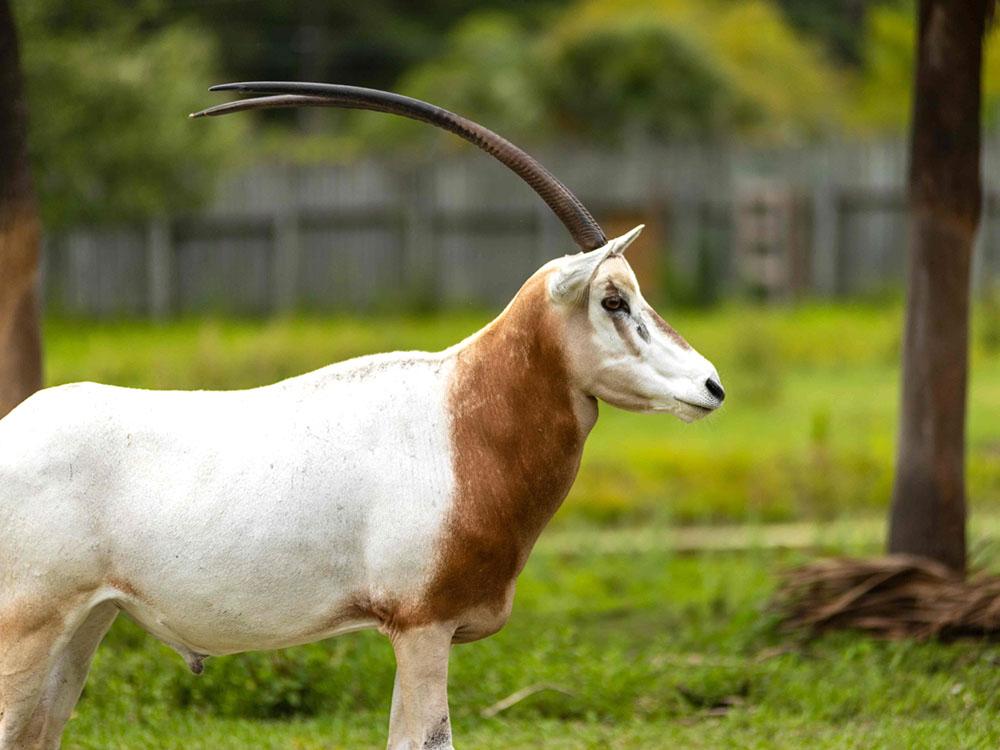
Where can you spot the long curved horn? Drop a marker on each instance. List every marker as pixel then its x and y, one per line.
pixel 577 219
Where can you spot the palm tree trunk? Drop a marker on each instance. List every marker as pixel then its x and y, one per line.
pixel 20 344
pixel 929 506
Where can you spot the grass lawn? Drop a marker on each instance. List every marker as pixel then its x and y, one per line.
pixel 656 650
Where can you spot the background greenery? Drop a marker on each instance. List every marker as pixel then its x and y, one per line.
pixel 109 81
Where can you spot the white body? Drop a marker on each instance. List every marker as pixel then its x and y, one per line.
pixel 245 519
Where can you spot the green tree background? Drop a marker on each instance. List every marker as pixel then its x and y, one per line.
pixel 109 80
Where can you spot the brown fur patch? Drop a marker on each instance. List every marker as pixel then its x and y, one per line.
pixel 40 616
pixel 126 588
pixel 666 328
pixel 517 441
pixel 25 619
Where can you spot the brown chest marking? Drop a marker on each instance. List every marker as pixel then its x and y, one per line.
pixel 516 441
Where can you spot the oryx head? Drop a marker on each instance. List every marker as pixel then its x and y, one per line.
pixel 619 349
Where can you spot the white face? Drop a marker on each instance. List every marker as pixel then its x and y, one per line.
pixel 621 351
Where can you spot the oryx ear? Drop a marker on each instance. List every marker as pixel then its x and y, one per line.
pixel 574 273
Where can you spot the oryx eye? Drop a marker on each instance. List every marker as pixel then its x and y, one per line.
pixel 614 304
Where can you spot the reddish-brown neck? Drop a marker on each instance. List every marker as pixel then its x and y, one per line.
pixel 517 437
pixel 514 411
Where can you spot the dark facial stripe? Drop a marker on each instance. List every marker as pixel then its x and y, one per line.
pixel 666 328
pixel 621 322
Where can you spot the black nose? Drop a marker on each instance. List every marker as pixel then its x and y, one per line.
pixel 715 389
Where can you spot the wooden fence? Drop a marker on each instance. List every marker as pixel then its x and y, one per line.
pixel 456 229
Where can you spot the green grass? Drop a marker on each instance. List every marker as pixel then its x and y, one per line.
pixel 807 430
pixel 657 650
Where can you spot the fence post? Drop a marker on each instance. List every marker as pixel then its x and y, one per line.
pixel 825 239
pixel 841 262
pixel 419 256
pixel 981 280
pixel 287 250
pixel 159 269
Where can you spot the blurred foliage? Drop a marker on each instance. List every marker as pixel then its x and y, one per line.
pixel 607 70
pixel 792 84
pixel 687 68
pixel 487 66
pixel 884 88
pixel 637 76
pixel 108 95
pixel 834 22
pixel 109 80
pixel 367 43
pixel 885 81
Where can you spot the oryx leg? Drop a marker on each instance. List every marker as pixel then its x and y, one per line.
pixel 68 674
pixel 419 718
pixel 29 640
pixel 44 656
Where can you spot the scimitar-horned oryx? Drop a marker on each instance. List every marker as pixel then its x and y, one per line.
pixel 398 491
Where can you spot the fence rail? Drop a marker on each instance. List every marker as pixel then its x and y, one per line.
pixel 458 230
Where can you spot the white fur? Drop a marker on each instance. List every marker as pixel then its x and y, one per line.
pixel 246 519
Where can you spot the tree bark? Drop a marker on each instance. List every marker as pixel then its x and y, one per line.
pixel 929 506
pixel 20 341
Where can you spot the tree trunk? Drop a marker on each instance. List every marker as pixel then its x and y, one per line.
pixel 928 508
pixel 20 345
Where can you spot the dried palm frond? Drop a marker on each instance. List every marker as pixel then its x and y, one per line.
pixel 892 597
